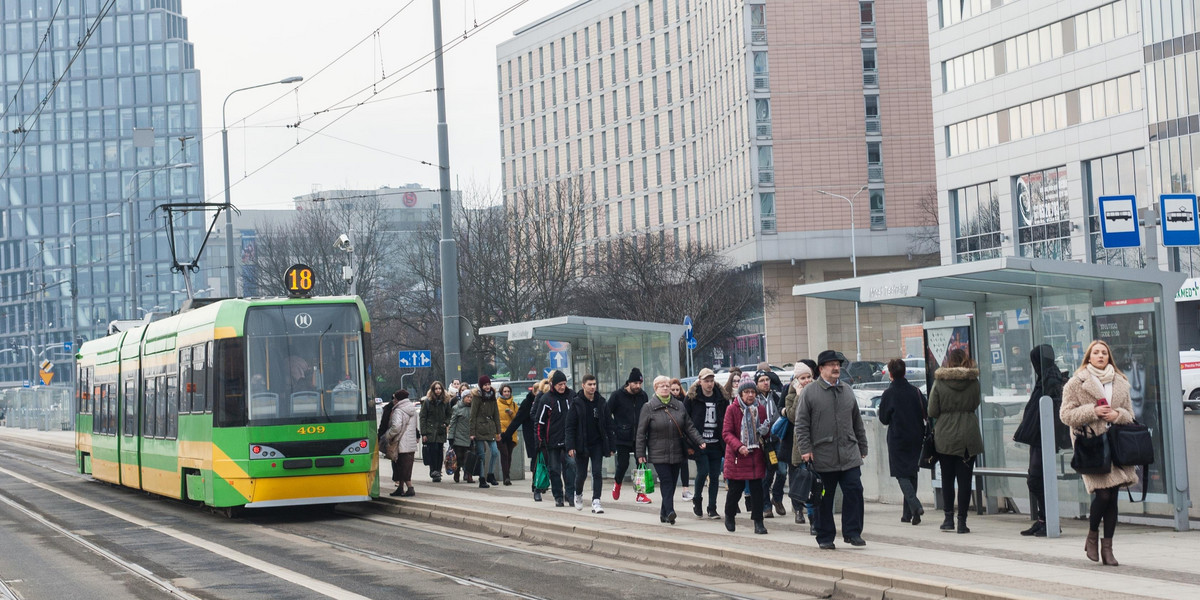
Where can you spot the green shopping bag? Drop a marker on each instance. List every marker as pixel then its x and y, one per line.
pixel 541 477
pixel 643 480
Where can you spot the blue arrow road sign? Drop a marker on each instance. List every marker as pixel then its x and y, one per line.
pixel 1179 224
pixel 1119 222
pixel 558 360
pixel 687 322
pixel 413 359
pixel 691 343
pixel 546 373
pixel 66 346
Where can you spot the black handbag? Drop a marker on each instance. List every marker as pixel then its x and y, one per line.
pixel 1131 445
pixel 801 484
pixel 928 451
pixel 1092 455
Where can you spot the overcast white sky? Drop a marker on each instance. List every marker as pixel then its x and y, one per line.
pixel 239 44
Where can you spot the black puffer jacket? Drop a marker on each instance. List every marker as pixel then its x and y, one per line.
pixel 551 416
pixel 1049 383
pixel 589 424
pixel 625 409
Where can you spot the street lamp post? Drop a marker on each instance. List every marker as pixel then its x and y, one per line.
pixel 853 265
pixel 133 240
pixel 230 280
pixel 75 287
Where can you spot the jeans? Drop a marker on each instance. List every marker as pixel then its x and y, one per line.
pixel 734 491
pixel 708 467
pixel 852 505
pixel 667 473
pixel 1037 486
pixel 594 455
pixel 562 473
pixel 493 456
pixel 622 463
pixel 956 470
pixel 912 506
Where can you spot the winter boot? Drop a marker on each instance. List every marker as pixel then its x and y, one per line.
pixel 948 523
pixel 729 523
pixel 759 528
pixel 1106 552
pixel 1089 546
pixel 962 525
pixel 1038 526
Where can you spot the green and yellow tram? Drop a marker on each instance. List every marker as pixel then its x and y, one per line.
pixel 240 402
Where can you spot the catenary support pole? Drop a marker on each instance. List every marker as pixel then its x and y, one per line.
pixel 447 250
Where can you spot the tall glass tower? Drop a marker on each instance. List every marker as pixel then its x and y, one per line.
pixel 100 125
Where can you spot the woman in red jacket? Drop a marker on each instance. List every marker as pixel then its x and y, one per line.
pixel 745 462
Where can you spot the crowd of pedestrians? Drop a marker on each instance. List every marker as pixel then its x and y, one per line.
pixel 806 441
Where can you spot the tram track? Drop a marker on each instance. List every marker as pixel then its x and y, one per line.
pixel 483 585
pixel 132 567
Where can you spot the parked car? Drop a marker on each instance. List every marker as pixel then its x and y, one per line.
pixel 785 376
pixel 862 371
pixel 866 393
pixel 1189 367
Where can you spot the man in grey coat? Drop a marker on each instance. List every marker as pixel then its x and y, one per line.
pixel 830 435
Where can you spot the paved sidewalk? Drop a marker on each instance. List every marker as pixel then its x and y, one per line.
pixel 992 561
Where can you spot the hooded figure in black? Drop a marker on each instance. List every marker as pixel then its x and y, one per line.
pixel 903 409
pixel 1049 383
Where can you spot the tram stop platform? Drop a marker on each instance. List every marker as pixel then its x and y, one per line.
pixel 899 561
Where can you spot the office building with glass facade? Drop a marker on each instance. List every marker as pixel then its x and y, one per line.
pixel 717 122
pixel 101 117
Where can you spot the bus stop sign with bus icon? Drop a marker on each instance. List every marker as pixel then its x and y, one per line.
pixel 1179 225
pixel 1119 223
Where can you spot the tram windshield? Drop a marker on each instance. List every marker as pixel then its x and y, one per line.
pixel 304 364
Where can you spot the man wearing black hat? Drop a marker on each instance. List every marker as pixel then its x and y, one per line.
pixel 625 407
pixel 830 435
pixel 551 413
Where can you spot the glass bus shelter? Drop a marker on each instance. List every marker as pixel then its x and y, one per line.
pixel 607 348
pixel 999 309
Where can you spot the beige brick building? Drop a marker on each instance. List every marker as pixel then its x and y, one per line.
pixel 717 121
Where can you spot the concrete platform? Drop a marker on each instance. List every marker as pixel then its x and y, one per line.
pixel 899 561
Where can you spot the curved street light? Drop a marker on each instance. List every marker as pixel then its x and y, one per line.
pixel 853 265
pixel 225 153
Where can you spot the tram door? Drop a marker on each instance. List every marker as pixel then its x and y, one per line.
pixel 128 438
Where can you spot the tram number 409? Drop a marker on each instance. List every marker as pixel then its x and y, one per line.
pixel 298 280
pixel 311 429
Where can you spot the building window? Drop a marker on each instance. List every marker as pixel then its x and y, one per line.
pixel 766 165
pixel 761 77
pixel 766 205
pixel 866 12
pixel 878 211
pixel 976 222
pixel 1043 217
pixel 1116 175
pixel 874 161
pixel 871 104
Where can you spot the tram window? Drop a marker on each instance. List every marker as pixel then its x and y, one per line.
pixel 149 394
pixel 172 407
pixel 98 417
pixel 229 375
pixel 202 365
pixel 110 396
pixel 165 408
pixel 185 378
pixel 130 401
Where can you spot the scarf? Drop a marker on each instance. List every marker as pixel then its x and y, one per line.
pixel 1105 376
pixel 666 400
pixel 749 424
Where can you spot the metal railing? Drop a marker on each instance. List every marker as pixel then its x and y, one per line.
pixel 874 172
pixel 768 224
pixel 762 82
pixel 43 408
pixel 758 36
pixel 878 220
pixel 874 127
pixel 868 32
pixel 763 129
pixel 871 78
pixel 766 176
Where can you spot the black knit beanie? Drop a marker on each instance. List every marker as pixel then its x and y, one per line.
pixel 634 375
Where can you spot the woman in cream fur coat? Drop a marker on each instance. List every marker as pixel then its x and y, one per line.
pixel 1096 397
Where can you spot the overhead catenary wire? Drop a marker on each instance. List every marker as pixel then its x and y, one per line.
pixel 415 67
pixel 32 61
pixel 29 122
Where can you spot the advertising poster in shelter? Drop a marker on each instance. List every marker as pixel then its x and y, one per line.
pixel 1134 344
pixel 939 341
